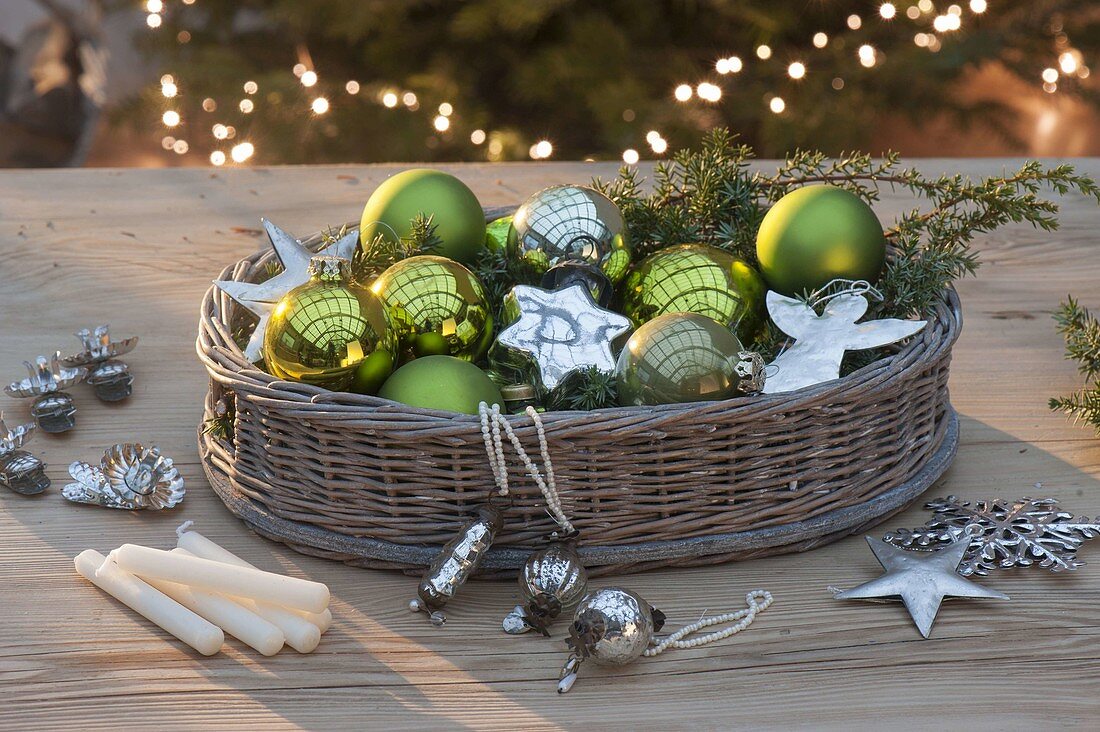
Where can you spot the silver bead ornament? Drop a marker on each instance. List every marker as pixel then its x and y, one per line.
pixel 129 477
pixel 559 332
pixel 53 409
pixel 19 470
pixel 457 561
pixel 612 626
pixel 552 581
pixel 261 298
pixel 821 340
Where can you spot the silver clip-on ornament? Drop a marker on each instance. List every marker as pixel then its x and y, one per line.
pixel 19 470
pixel 111 379
pixel 612 626
pixel 53 409
pixel 129 477
pixel 552 581
pixel 459 558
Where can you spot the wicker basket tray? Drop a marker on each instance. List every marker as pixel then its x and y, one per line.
pixel 378 484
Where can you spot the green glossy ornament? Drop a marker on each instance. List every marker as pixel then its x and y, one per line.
pixel 496 233
pixel 816 234
pixel 455 211
pixel 441 382
pixel 678 357
pixel 325 331
pixel 696 278
pixel 437 306
pixel 571 224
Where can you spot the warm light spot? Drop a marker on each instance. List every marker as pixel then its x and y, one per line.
pixel 180 147
pixel 319 106
pixel 167 142
pixel 682 93
pixel 183 37
pixel 441 123
pixel 837 83
pixel 912 12
pixel 978 6
pixel 246 106
pixel 169 90
pixel 820 40
pixel 352 87
pixel 209 105
pixel 867 55
pixel 1069 61
pixel 954 10
pixel 299 69
pixel 446 109
pixel 251 87
pixel 925 6
pixel 855 22
pixel 796 70
pixel 171 118
pixel 659 146
pixel 1050 87
pixel 217 157
pixel 763 52
pixel 777 105
pixel 154 6
pixel 722 66
pixel 709 92
pixel 1050 75
pixel 242 152
pixel 477 137
pixel 887 11
pixel 230 132
pixel 921 40
pixel 409 100
pixel 389 99
pixel 544 149
pixel 630 156
pixel 153 21
pixel 735 64
pixel 220 131
pixel 309 78
pixel 652 135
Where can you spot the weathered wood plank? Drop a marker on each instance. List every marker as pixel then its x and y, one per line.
pixel 138 248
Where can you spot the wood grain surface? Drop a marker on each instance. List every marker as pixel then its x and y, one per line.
pixel 137 249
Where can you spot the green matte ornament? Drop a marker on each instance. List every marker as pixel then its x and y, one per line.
pixel 679 357
pixel 817 234
pixel 441 382
pixel 455 212
pixel 437 306
pixel 696 278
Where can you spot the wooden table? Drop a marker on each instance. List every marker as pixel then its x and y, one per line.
pixel 137 248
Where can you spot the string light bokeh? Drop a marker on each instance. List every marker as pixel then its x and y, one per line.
pixel 787 73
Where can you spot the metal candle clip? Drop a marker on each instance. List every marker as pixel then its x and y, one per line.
pixel 111 379
pixel 19 470
pixel 53 409
pixel 130 477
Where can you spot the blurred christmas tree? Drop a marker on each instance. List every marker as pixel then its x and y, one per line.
pixel 377 80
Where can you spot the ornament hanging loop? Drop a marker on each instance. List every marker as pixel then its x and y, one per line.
pixel 840 286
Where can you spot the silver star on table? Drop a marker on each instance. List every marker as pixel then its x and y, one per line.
pixel 920 579
pixel 563 331
pixel 821 340
pixel 261 298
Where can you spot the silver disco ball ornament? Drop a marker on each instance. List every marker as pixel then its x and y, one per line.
pixel 571 224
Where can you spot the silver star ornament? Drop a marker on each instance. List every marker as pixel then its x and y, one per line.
pixel 920 579
pixel 563 331
pixel 821 340
pixel 294 257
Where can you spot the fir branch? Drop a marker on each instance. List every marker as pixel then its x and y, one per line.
pixel 585 390
pixel 383 251
pixel 1081 331
pixel 498 274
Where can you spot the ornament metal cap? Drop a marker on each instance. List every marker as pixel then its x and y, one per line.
pixel 19 470
pixel 327 268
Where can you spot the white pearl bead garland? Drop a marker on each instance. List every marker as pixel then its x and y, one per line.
pixel 744 619
pixel 492 423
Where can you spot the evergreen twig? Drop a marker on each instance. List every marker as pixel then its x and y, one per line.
pixel 1081 331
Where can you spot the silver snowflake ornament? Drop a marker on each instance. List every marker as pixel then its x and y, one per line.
pixel 821 340
pixel 920 579
pixel 1003 534
pixel 562 331
pixel 261 298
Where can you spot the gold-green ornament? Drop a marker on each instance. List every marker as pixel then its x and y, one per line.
pixel 441 382
pixel 455 212
pixel 325 331
pixel 679 357
pixel 696 278
pixel 571 224
pixel 817 234
pixel 496 233
pixel 437 307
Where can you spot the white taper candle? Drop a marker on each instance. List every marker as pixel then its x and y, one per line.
pixel 298 633
pixel 224 578
pixel 201 546
pixel 155 606
pixel 236 620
